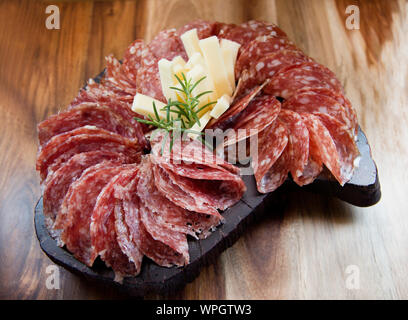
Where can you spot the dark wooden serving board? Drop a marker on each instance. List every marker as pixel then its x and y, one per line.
pixel 362 190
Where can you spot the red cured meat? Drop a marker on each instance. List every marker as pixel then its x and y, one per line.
pixel 205 29
pixel 271 143
pixel 103 227
pixel 260 47
pixel 311 171
pixel 234 110
pixel 259 114
pixel 267 66
pixel 310 102
pixel 175 242
pixel 74 217
pixel 57 185
pixel 117 77
pixel 63 146
pixel 132 59
pixel 321 145
pixel 167 45
pixel 340 98
pixel 82 115
pixel 148 77
pixel 276 175
pixel 166 212
pixel 297 150
pixel 249 31
pixel 310 74
pixel 187 151
pixel 345 144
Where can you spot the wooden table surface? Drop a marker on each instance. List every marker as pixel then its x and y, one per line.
pixel 305 251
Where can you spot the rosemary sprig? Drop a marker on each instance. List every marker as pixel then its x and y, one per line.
pixel 180 115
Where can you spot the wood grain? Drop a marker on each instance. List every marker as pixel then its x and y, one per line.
pixel 304 251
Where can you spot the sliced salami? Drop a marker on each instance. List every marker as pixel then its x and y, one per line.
pixel 260 113
pixel 271 143
pixel 297 150
pixel 309 74
pixel 103 227
pixel 166 212
pixel 234 110
pixel 345 144
pixel 310 102
pixel 167 45
pixel 340 98
pixel 321 145
pixel 311 171
pixel 74 217
pixel 132 60
pixel 276 175
pixel 116 76
pixel 175 242
pixel 267 66
pixel 85 114
pixel 205 29
pixel 57 185
pixel 260 47
pixel 63 146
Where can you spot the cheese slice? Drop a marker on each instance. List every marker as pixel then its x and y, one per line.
pixel 166 78
pixel 229 52
pixel 233 46
pixel 213 58
pixel 222 105
pixel 178 61
pixel 190 42
pixel 195 59
pixel 143 105
pixel 196 127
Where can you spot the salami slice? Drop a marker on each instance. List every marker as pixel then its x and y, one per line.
pixel 82 115
pixel 259 114
pixel 276 175
pixel 74 217
pixel 205 29
pixel 57 185
pixel 271 143
pixel 63 146
pixel 322 147
pixel 297 150
pixel 260 47
pixel 340 98
pixel 132 60
pixel 249 31
pixel 166 213
pixel 174 242
pixel 266 67
pixel 167 45
pixel 345 144
pixel 309 74
pixel 234 110
pixel 117 77
pixel 148 77
pixel 311 171
pixel 106 241
pixel 310 102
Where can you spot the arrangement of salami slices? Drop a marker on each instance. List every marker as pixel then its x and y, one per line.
pixel 111 190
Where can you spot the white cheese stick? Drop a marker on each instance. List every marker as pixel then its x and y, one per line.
pixel 213 58
pixel 221 106
pixel 166 78
pixel 200 127
pixel 143 105
pixel 190 41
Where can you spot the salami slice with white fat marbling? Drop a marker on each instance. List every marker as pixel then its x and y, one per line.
pixel 205 29
pixel 63 146
pixel 321 145
pixel 297 151
pixel 309 74
pixel 260 113
pixel 86 114
pixel 132 60
pixel 271 143
pixel 74 217
pixel 260 47
pixel 56 186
